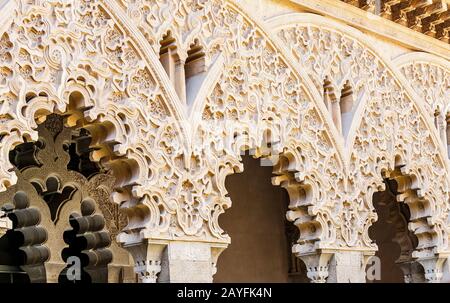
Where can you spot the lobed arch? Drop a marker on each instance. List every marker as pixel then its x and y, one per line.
pixel 366 161
pixel 253 129
pixel 110 87
pixel 78 79
pixel 206 169
pixel 432 85
pixel 253 133
pixel 356 36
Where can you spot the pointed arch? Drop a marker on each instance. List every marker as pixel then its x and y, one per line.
pixel 263 46
pixel 91 67
pixel 373 142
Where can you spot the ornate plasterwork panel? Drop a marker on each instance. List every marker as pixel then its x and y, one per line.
pixel 429 76
pixel 257 99
pixel 171 182
pixel 54 53
pixel 431 82
pixel 391 130
pixel 392 135
pixel 332 57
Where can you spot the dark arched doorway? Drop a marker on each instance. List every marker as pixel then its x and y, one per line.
pixel 395 241
pixel 261 237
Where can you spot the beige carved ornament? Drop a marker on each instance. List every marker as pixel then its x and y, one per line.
pixel 391 138
pixel 255 99
pixel 431 81
pixel 54 53
pixel 430 78
pixel 170 152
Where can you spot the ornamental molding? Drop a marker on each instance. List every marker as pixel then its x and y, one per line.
pixel 369 160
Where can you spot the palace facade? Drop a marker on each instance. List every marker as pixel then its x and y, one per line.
pixel 225 140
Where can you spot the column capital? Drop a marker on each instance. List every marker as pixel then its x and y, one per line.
pixel 433 267
pixel 147 258
pixel 317 265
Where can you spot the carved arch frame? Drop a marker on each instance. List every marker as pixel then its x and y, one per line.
pixel 421 173
pixel 148 206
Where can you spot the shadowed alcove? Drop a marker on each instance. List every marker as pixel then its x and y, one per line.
pixel 391 234
pixel 261 237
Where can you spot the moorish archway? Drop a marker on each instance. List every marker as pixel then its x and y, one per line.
pixel 50 64
pixel 261 254
pixel 330 135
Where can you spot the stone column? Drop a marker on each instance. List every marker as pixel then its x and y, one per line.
pixel 441 122
pixel 336 266
pixel 447 135
pixel 163 261
pixel 193 262
pixel 336 114
pixel 147 259
pixel 347 267
pixel 180 80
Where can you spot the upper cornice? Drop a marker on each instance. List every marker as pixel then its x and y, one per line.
pixel 417 24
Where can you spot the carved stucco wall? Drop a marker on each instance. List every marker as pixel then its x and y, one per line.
pixel 264 83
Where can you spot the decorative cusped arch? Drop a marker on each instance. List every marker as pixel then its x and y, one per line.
pixel 89 61
pixel 261 86
pixel 76 59
pixel 391 128
pixel 109 79
pixel 251 98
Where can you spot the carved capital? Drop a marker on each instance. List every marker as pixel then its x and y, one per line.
pixel 216 251
pixel 148 270
pixel 433 267
pixel 147 257
pixel 317 266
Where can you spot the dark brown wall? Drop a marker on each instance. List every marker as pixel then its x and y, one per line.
pixel 383 232
pixel 256 223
